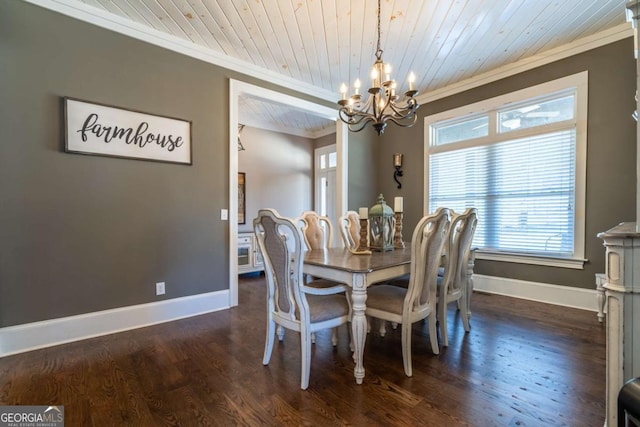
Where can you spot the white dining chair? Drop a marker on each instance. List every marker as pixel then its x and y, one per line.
pixel 406 306
pixel 349 225
pixel 453 283
pixel 292 303
pixel 317 232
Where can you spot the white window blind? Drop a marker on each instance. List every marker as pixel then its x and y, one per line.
pixel 520 159
pixel 523 190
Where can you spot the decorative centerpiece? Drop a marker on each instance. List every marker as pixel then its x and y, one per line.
pixel 381 226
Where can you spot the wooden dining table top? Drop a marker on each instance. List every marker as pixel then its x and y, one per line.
pixel 342 259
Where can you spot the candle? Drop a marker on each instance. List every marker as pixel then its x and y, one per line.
pixel 397 204
pixel 356 86
pixel 412 79
pixel 343 91
pixel 387 71
pixel 364 213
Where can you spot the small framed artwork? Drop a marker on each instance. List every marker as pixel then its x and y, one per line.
pixel 241 198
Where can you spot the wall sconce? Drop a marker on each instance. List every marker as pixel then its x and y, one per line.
pixel 397 163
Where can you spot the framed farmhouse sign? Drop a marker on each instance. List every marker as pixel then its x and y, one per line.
pixel 116 132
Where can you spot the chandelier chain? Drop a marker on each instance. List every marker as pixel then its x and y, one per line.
pixel 379 50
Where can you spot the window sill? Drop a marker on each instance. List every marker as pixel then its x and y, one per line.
pixel 574 263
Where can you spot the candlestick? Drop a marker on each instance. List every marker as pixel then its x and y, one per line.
pixel 398 204
pixel 397 237
pixel 363 245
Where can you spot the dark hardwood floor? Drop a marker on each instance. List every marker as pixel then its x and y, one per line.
pixel 522 364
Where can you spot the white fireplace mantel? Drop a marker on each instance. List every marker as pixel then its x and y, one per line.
pixel 622 288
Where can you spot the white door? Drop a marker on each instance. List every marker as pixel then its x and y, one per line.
pixel 326 162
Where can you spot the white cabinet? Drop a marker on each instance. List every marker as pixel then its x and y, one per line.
pixel 249 256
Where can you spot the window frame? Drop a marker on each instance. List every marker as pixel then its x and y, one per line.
pixel 577 83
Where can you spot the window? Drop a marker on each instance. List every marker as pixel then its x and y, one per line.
pixel 520 159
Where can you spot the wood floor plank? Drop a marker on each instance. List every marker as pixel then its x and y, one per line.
pixel 522 364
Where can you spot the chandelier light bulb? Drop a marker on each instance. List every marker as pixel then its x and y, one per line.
pixel 387 71
pixel 343 91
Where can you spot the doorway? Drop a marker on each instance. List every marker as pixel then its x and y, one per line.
pixel 239 89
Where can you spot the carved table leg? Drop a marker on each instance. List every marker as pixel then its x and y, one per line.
pixel 359 324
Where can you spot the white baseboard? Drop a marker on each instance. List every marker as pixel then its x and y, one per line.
pixel 566 296
pixel 32 336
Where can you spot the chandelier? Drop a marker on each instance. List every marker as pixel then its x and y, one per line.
pixel 383 103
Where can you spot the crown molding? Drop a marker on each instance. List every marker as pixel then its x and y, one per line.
pixel 92 15
pixel 103 19
pixel 584 44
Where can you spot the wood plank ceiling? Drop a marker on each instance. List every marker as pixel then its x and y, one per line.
pixel 324 43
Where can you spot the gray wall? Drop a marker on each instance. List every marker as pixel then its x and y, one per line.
pixel 611 154
pixel 279 173
pixel 86 233
pixel 363 152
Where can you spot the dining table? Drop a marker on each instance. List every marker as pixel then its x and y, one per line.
pixel 358 271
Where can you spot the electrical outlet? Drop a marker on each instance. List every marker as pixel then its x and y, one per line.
pixel 224 214
pixel 160 288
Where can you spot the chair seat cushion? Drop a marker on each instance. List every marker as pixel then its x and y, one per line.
pixel 325 307
pixel 388 298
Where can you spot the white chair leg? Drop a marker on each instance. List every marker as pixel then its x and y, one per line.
pixel 313 337
pixel 268 343
pixel 334 336
pixel 383 327
pixel 305 348
pixel 462 303
pixel 442 321
pixel 406 349
pixel 433 334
